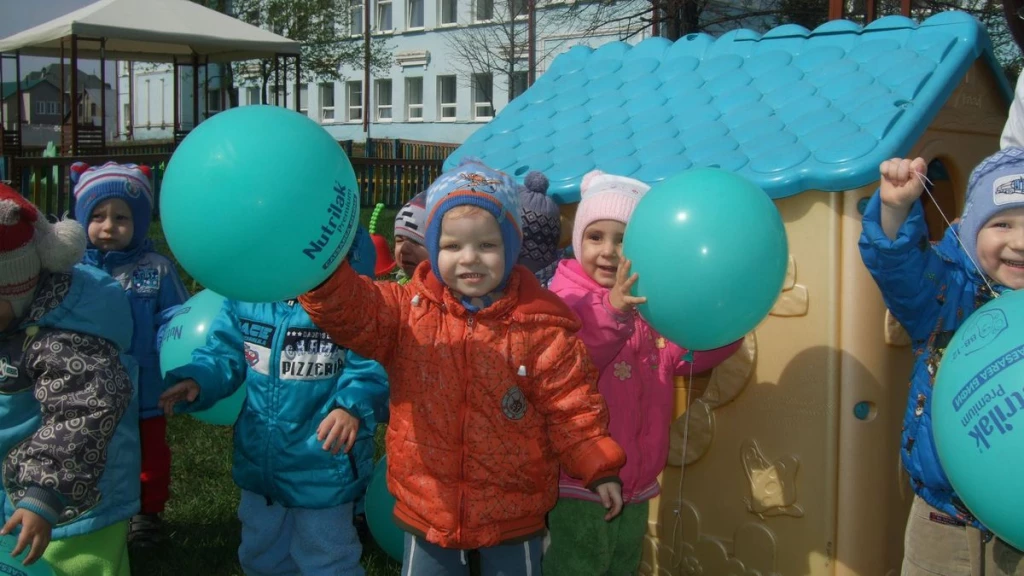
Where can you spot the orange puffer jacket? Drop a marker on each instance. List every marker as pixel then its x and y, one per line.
pixel 484 406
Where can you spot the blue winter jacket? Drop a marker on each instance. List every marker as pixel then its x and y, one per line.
pixel 931 289
pixel 155 291
pixel 294 376
pixel 69 429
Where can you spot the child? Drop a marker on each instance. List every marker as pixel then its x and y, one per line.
pixel 114 203
pixel 409 226
pixel 489 387
pixel 307 399
pixel 542 227
pixel 931 289
pixel 637 367
pixel 69 430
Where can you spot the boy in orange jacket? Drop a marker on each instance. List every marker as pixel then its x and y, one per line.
pixel 490 388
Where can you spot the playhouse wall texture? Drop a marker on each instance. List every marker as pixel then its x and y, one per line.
pixel 792 446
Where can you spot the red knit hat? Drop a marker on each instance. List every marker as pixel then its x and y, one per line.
pixel 29 243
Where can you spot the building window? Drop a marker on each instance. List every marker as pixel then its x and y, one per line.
pixel 126 114
pixel 355 11
pixel 41 107
pixel 327 102
pixel 483 87
pixel 53 107
pixel 414 99
pixel 93 110
pixel 446 97
pixel 304 99
pixel 355 101
pixel 518 8
pixel 253 95
pixel 519 80
pixel 484 10
pixel 384 15
pixel 414 13
pixel 279 95
pixel 383 89
pixel 448 13
pixel 214 99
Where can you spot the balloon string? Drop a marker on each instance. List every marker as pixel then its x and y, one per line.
pixel 927 188
pixel 677 511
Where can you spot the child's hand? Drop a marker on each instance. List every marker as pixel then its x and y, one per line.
pixel 35 531
pixel 619 296
pixel 186 390
pixel 611 498
pixel 339 428
pixel 900 186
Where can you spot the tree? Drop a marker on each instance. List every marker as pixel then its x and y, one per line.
pixel 498 49
pixel 322 26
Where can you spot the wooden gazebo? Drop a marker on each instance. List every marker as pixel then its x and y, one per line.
pixel 177 31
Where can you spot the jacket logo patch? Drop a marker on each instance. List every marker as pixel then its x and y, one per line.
pixel 514 404
pixel 257 337
pixel 7 370
pixel 310 355
pixel 146 281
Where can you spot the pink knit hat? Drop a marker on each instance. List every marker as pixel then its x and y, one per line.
pixel 604 197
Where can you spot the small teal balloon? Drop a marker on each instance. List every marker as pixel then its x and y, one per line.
pixel 711 253
pixel 259 203
pixel 976 401
pixel 186 332
pixel 380 506
pixel 13 566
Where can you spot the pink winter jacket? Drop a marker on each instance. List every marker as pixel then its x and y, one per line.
pixel 637 367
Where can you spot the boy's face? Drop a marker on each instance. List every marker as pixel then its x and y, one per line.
pixel 409 253
pixel 602 250
pixel 1001 248
pixel 471 254
pixel 111 226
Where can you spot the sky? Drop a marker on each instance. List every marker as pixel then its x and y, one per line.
pixel 18 15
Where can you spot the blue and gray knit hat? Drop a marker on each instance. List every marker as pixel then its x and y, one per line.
pixel 475 184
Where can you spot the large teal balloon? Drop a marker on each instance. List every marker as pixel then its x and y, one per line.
pixel 259 203
pixel 711 253
pixel 380 505
pixel 978 395
pixel 14 567
pixel 186 332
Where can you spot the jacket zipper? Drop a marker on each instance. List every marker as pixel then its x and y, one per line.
pixel 470 321
pixel 275 359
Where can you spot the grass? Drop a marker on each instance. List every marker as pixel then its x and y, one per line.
pixel 201 519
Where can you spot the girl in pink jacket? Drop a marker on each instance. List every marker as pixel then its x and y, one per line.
pixel 637 367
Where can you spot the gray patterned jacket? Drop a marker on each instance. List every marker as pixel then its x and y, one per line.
pixel 68 436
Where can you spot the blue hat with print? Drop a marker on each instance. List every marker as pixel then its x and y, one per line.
pixel 475 184
pixel 996 184
pixel 129 182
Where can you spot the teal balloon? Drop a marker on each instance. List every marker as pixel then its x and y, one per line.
pixel 186 332
pixel 711 253
pixel 13 566
pixel 259 203
pixel 380 505
pixel 977 414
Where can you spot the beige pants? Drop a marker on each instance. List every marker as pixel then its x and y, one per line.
pixel 935 545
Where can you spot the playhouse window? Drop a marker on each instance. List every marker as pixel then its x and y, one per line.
pixel 942 190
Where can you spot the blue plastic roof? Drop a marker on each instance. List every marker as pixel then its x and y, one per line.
pixel 792 109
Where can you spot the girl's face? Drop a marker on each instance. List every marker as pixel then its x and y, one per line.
pixel 602 250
